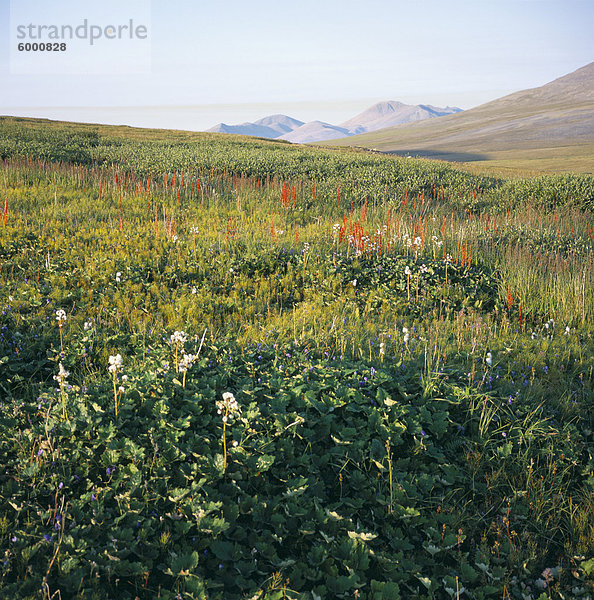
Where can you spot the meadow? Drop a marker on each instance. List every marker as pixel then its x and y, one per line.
pixel 238 369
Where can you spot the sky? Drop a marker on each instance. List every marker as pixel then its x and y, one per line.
pixel 195 63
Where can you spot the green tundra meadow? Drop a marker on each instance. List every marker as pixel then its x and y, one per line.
pixel 240 369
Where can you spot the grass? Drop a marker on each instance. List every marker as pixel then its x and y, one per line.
pixel 422 435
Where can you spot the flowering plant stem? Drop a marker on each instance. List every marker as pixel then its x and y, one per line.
pixel 224 446
pixel 115 395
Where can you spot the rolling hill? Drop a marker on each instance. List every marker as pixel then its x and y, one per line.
pixel 549 127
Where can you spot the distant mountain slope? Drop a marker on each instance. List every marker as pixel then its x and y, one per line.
pixel 380 115
pixel 280 123
pixel 314 131
pixel 557 117
pixel 268 127
pixel 388 114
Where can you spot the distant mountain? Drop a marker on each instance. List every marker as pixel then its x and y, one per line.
pixel 548 123
pixel 314 131
pixel 269 127
pixel 378 116
pixel 388 114
pixel 280 123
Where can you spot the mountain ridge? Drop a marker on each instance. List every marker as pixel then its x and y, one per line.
pixel 380 115
pixel 538 123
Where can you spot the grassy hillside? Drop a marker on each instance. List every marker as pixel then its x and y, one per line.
pixel 235 369
pixel 550 128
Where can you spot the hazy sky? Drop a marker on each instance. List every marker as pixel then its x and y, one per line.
pixel 234 60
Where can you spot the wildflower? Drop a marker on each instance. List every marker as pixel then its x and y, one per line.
pixel 423 268
pixel 87 325
pixel 354 283
pixel 448 258
pixel 194 230
pixel 118 277
pixel 547 575
pixel 406 335
pixel 186 362
pixel 115 364
pixel 62 375
pixel 418 241
pixel 178 337
pixel 382 348
pixel 121 389
pixel 566 331
pixel 407 270
pixel 60 317
pixel 228 406
pixel 489 359
pixel 194 290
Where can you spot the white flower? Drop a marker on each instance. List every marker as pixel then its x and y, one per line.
pixel 228 406
pixel 179 337
pixel 235 443
pixel 118 277
pixel 88 325
pixel 354 283
pixel 62 375
pixel 566 330
pixel 382 348
pixel 489 359
pixel 423 268
pixel 121 389
pixel 60 317
pixel 407 270
pixel 418 241
pixel 194 230
pixel 115 364
pixel 406 338
pixel 194 290
pixel 186 362
pixel 448 258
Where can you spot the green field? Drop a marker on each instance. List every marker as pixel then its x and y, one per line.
pixel 409 345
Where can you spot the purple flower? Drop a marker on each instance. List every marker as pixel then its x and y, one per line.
pixel 47 538
pixel 423 432
pixel 14 538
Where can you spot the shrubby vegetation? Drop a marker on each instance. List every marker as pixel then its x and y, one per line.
pixel 236 369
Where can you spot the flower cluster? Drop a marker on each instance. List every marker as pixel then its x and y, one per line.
pixel 186 362
pixel 60 317
pixel 228 407
pixel 178 337
pixel 115 364
pixel 62 375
